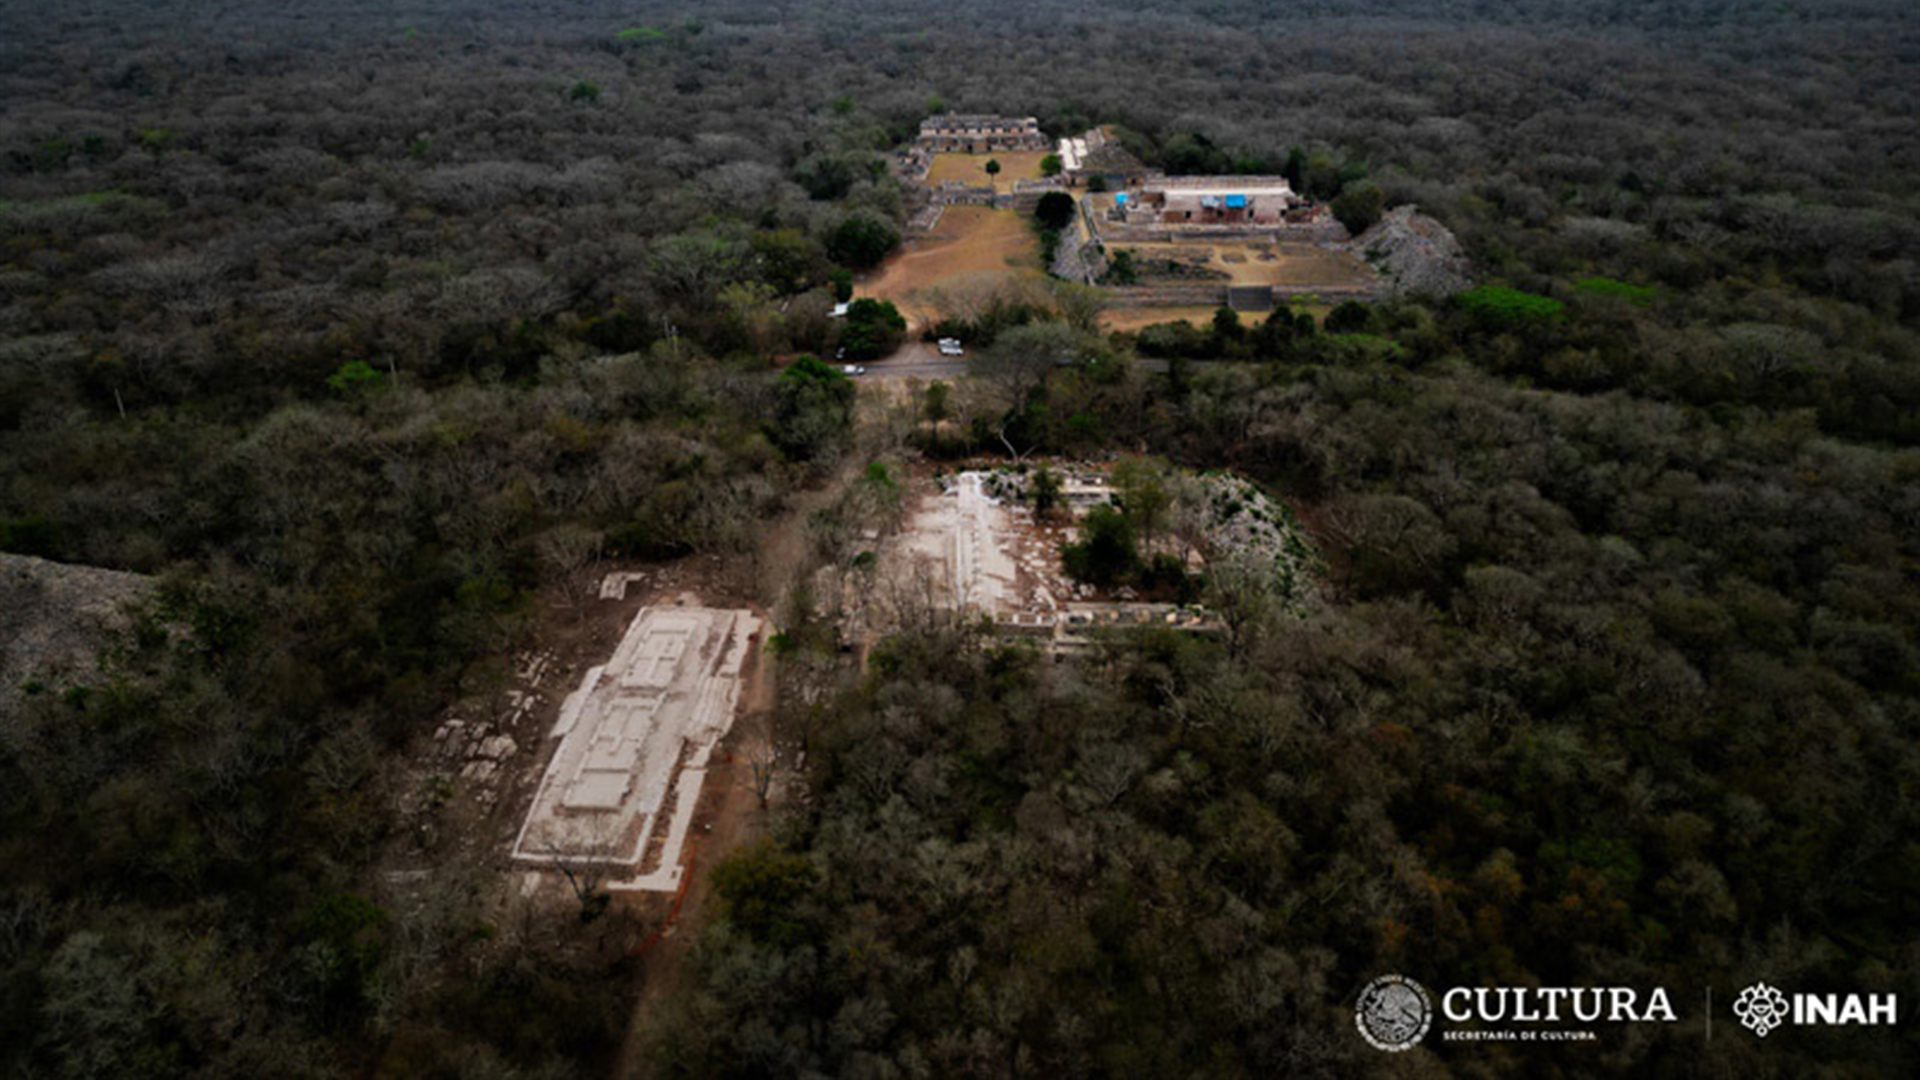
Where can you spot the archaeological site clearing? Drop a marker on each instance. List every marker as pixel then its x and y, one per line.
pixel 973 543
pixel 633 742
pixel 1177 247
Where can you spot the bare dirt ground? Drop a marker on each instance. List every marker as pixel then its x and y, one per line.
pixel 1311 265
pixel 1132 319
pixel 972 246
pixel 1263 262
pixel 971 169
pixel 729 815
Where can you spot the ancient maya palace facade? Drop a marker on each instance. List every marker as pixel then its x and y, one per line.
pixel 957 133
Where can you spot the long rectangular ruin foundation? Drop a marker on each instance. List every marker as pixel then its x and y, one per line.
pixel 639 726
pixel 968 550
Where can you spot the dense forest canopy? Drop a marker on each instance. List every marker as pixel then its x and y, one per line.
pixel 359 325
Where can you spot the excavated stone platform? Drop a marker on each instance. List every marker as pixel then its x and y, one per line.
pixel 640 726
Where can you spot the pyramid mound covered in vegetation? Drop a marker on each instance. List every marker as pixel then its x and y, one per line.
pixel 58 617
pixel 1417 254
pixel 1244 521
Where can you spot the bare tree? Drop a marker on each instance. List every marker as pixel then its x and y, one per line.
pixel 763 761
pixel 1079 306
pixel 1244 592
pixel 569 552
pixel 584 856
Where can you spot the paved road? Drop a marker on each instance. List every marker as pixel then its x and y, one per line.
pixel 917 360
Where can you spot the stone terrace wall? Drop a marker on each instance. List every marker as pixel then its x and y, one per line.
pixel 954 193
pixel 1198 294
pixel 1201 294
pixel 1079 257
pixel 1327 231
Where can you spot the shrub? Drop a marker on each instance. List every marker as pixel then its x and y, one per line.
pixel 873 328
pixel 1350 317
pixel 1055 210
pixel 354 375
pixel 1359 207
pixel 812 410
pixel 1606 286
pixel 759 887
pixel 1107 552
pixel 862 240
pixel 1499 305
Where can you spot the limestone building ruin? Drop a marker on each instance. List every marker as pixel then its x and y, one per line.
pixel 634 741
pixel 1095 153
pixel 957 133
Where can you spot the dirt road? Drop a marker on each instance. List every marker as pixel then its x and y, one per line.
pixel 728 816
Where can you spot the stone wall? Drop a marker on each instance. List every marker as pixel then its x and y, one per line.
pixel 1079 257
pixel 954 193
pixel 1327 231
pixel 1197 294
pixel 1204 294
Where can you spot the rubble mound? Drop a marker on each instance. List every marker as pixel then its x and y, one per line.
pixel 1417 254
pixel 1242 519
pixel 58 617
pixel 1235 519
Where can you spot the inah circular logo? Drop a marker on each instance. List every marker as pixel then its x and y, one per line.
pixel 1761 1008
pixel 1393 1013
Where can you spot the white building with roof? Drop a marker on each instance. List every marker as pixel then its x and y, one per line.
pixel 1209 200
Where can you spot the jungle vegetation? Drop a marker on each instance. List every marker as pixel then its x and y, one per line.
pixel 360 324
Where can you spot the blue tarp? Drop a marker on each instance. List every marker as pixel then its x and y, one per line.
pixel 1236 202
pixel 1120 199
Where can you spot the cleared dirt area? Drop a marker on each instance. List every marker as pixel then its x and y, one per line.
pixel 971 245
pixel 972 168
pixel 1263 262
pixel 1309 265
pixel 1129 320
pixel 729 814
pixel 1132 319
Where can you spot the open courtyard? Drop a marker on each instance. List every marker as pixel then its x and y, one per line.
pixel 971 169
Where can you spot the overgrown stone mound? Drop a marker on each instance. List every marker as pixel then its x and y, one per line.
pixel 1230 519
pixel 1243 522
pixel 1416 254
pixel 57 617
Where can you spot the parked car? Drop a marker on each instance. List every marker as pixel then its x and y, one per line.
pixel 951 347
pixel 853 369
